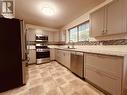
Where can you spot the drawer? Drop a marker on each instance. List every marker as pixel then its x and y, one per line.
pixel 67 59
pixel 108 83
pixel 108 64
pixel 93 76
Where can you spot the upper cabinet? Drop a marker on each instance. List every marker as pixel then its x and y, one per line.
pixel 50 37
pixel 63 36
pixel 56 36
pixel 97 21
pixel 125 12
pixel 115 17
pixel 108 20
pixel 31 35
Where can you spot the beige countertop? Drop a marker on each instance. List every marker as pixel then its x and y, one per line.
pixel 116 50
pixel 31 47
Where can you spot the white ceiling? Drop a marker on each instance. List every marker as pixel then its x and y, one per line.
pixel 66 11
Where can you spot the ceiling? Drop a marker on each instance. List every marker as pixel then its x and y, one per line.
pixel 66 11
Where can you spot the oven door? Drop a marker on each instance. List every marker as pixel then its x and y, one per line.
pixel 42 54
pixel 43 57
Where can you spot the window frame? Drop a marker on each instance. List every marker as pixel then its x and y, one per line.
pixel 77 30
pixel 70 31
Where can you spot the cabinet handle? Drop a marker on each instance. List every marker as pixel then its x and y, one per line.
pixel 104 32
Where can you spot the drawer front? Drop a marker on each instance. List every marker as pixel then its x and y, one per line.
pixel 94 76
pixel 108 64
pixel 52 54
pixel 112 85
pixel 106 82
pixel 67 59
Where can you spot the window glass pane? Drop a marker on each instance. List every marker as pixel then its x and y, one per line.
pixel 79 33
pixel 73 34
pixel 84 32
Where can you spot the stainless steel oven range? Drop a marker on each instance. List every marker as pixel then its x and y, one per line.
pixel 42 54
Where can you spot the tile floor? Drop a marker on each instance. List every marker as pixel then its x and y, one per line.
pixel 53 79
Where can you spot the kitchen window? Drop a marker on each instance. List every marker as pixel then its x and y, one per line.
pixel 79 33
pixel 73 34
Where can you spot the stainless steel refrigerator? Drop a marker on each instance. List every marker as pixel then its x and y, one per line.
pixel 13 56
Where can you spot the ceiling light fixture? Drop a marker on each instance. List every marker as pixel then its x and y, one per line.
pixel 49 11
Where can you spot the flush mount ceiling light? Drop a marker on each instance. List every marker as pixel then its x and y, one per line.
pixel 48 11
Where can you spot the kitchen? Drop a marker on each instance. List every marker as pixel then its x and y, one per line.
pixel 62 48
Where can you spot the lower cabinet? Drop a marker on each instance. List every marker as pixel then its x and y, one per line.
pixel 32 56
pixel 52 54
pixel 66 59
pixel 58 55
pixel 105 72
pixel 106 82
pixel 63 57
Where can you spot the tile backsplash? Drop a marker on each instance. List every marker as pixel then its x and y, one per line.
pixel 115 42
pixel 104 42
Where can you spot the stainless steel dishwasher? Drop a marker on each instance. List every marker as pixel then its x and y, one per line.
pixel 77 63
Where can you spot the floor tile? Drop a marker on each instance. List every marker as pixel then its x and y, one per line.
pixel 38 90
pixel 60 81
pixel 53 79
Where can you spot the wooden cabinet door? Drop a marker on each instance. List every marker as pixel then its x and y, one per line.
pixel 56 37
pixel 97 20
pixel 50 37
pixel 105 81
pixel 30 35
pixel 108 64
pixel 111 84
pixel 62 57
pixel 93 76
pixel 32 56
pixel 56 55
pixel 63 36
pixel 125 13
pixel 66 59
pixel 52 54
pixel 115 17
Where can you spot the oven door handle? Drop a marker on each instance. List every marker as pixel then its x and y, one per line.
pixel 42 51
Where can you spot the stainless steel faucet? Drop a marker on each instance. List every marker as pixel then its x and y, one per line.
pixel 72 44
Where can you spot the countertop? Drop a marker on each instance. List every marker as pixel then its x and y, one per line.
pixel 116 50
pixel 31 47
